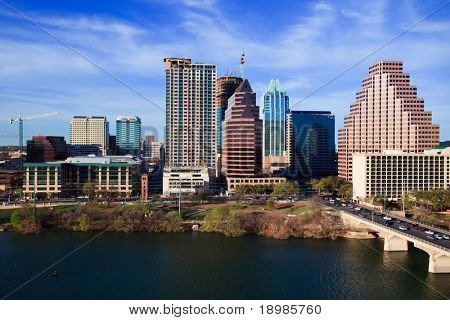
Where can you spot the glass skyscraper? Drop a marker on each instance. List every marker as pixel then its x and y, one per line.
pixel 128 135
pixel 311 145
pixel 275 109
pixel 191 136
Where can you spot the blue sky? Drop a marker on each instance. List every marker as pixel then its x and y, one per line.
pixel 302 43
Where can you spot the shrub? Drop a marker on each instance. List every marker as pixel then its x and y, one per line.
pixel 16 219
pixel 222 221
pixel 172 222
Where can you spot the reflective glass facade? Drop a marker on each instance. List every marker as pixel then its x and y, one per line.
pixel 276 108
pixel 128 135
pixel 312 145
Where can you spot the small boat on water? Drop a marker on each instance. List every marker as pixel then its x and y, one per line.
pixel 54 274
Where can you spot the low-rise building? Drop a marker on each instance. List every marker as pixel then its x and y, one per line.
pixel 80 150
pixel 185 180
pixel 393 173
pixel 10 179
pixel 117 174
pixel 233 182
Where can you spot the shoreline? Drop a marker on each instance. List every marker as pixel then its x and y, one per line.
pixel 302 220
pixel 349 234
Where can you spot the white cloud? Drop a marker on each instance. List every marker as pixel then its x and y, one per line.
pixel 430 27
pixel 324 40
pixel 322 6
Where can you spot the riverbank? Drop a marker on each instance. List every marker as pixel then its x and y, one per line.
pixel 279 221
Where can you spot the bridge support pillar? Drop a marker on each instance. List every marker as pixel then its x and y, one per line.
pixel 394 243
pixel 438 263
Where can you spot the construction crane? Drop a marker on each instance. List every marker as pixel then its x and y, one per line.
pixel 20 119
pixel 9 136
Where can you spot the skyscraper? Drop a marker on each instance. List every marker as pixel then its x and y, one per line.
pixel 242 135
pixel 387 115
pixel 311 147
pixel 94 130
pixel 226 86
pixel 275 110
pixel 128 135
pixel 190 113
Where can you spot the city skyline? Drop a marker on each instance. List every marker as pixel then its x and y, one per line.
pixel 53 74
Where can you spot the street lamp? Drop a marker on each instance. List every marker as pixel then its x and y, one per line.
pixel 179 198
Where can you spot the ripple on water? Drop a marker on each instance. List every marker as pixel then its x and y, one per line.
pixel 210 266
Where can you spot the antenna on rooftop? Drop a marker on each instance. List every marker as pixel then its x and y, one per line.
pixel 241 64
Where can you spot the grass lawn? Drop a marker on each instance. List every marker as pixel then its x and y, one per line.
pixel 299 210
pixel 232 207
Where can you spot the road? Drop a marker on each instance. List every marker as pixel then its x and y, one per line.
pixel 411 229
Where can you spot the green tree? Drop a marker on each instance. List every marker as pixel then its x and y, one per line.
pixel 222 221
pixel 172 222
pixel 84 222
pixel 346 190
pixel 108 195
pixel 238 194
pixel 378 200
pixel 202 195
pixel 89 190
pixel 286 189
pixel 16 219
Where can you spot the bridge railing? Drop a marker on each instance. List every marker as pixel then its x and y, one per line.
pixel 440 229
pixel 396 231
pixel 430 225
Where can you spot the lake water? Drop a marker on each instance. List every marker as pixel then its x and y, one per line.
pixel 210 266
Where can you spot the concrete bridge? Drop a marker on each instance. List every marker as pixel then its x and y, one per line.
pixel 397 240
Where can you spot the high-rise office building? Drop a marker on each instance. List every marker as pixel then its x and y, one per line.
pixel 113 150
pixel 46 148
pixel 387 115
pixel 311 147
pixel 128 135
pixel 275 103
pixel 190 113
pixel 226 85
pixel 242 135
pixel 94 130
